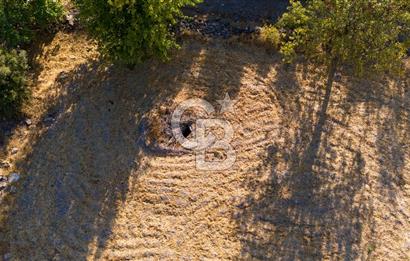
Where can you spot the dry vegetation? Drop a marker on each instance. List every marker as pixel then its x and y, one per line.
pixel 303 188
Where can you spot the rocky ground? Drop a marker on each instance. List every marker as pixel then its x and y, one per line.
pixel 241 10
pixel 81 181
pixel 224 19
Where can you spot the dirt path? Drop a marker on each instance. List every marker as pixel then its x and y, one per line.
pixel 90 192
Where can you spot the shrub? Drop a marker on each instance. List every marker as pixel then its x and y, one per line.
pixel 132 31
pixel 19 19
pixel 13 92
pixel 270 36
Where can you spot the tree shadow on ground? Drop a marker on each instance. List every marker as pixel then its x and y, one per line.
pixel 310 193
pixel 76 174
pixel 306 208
pixel 310 205
pixel 388 101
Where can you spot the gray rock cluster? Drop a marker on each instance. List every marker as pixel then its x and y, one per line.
pixel 7 182
pixel 216 28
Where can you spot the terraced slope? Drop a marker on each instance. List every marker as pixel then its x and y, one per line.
pixel 299 190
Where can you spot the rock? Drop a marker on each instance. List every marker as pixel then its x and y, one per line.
pixel 7 257
pixel 70 19
pixel 242 205
pixel 14 151
pixel 28 122
pixel 49 120
pixel 12 189
pixel 62 76
pixel 14 177
pixel 3 182
pixel 4 165
pixel 338 77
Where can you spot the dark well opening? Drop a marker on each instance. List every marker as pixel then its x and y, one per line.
pixel 186 129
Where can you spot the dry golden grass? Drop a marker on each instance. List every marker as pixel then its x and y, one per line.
pixel 91 193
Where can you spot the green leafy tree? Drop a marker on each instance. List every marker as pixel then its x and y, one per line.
pixel 359 34
pixel 365 36
pixel 131 31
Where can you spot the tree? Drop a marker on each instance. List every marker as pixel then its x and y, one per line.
pixel 131 31
pixel 363 35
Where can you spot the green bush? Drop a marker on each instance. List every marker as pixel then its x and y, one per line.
pixel 13 92
pixel 19 19
pixel 270 36
pixel 132 31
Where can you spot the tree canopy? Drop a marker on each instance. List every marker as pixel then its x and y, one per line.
pixel 132 31
pixel 364 34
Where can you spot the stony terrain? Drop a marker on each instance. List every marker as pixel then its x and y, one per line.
pixel 225 19
pixel 242 10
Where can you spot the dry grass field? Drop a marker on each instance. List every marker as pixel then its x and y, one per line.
pixel 307 184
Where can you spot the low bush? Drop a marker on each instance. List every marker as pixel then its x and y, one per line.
pixel 270 36
pixel 13 91
pixel 19 21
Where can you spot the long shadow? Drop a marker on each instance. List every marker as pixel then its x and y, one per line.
pixel 389 102
pixel 308 208
pixel 76 175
